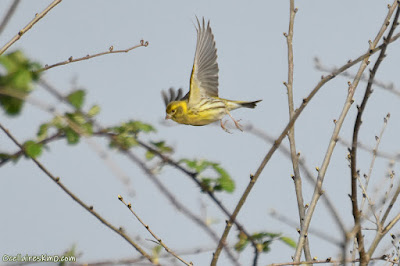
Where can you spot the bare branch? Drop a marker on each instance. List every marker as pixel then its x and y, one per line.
pixel 292 141
pixel 129 205
pixel 332 143
pixel 277 142
pixel 90 209
pixel 9 14
pixel 353 152
pixel 87 57
pixel 330 260
pixel 386 86
pixel 29 26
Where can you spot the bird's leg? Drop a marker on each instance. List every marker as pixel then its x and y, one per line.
pixel 223 126
pixel 236 122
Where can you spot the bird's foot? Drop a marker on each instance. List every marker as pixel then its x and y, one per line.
pixel 223 126
pixel 238 126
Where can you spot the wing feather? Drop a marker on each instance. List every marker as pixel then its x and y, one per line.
pixel 204 78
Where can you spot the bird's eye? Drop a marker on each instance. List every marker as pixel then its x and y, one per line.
pixel 173 111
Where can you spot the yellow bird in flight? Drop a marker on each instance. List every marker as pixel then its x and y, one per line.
pixel 201 105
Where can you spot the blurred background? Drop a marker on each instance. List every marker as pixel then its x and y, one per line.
pixel 37 217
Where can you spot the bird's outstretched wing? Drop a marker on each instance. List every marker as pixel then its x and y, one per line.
pixel 204 78
pixel 172 95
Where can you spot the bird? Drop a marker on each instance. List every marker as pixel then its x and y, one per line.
pixel 201 105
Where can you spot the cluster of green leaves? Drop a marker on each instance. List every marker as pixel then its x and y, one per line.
pixel 161 147
pixel 125 135
pixel 222 181
pixel 16 81
pixel 263 241
pixel 72 125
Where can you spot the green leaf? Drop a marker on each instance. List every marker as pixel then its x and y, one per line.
pixel 242 242
pixel 72 136
pixel 94 110
pixel 87 128
pixel 32 148
pixel 126 134
pixel 76 117
pixel 58 122
pixel 123 141
pixel 222 181
pixel 42 133
pixel 287 240
pixel 76 98
pixel 12 106
pixel 149 155
pixel 137 126
pixel 17 82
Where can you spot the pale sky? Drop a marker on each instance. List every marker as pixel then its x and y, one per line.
pixel 37 217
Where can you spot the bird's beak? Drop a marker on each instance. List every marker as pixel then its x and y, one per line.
pixel 167 117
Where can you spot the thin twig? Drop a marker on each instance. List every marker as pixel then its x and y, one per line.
pixel 136 260
pixel 292 141
pixel 318 233
pixel 382 231
pixel 386 155
pixel 332 143
pixel 153 178
pixel 193 176
pixel 330 260
pixel 380 84
pixel 180 207
pixel 165 159
pixel 166 192
pixel 90 209
pixel 304 168
pixel 8 15
pixel 353 152
pixel 110 51
pixel 277 142
pixel 29 26
pixel 375 150
pixel 129 205
pixel 368 198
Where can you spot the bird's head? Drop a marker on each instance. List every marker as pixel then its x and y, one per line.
pixel 176 110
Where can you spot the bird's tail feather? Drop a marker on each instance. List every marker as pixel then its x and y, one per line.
pixel 248 104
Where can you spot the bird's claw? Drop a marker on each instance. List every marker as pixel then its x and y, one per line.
pixel 224 128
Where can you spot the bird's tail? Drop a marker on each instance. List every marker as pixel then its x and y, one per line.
pixel 248 104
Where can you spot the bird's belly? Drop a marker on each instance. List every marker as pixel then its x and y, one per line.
pixel 204 117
